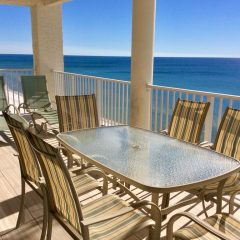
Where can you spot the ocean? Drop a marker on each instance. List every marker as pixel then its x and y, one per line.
pixel 221 75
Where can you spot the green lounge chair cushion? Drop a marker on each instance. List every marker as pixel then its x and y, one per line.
pixel 35 92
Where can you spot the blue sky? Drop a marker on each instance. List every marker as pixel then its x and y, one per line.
pixel 103 27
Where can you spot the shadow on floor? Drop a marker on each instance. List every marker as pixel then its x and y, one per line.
pixel 11 206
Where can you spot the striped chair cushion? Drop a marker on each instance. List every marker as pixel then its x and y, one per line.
pixel 28 161
pixel 232 183
pixel 222 222
pixel 187 120
pixel 84 183
pixel 77 112
pixel 29 165
pixel 228 136
pixel 49 114
pixel 119 227
pixel 227 142
pixel 35 92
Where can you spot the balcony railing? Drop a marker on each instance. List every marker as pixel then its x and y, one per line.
pixel 163 102
pixel 13 87
pixel 113 97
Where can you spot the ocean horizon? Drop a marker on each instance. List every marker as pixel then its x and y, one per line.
pixel 220 75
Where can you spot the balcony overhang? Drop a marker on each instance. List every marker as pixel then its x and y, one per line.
pixel 32 2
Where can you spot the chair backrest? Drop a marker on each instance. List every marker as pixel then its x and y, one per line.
pixel 62 197
pixel 188 119
pixel 35 92
pixel 228 136
pixel 77 112
pixel 3 99
pixel 28 162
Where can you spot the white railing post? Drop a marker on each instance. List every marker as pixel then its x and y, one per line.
pixel 55 81
pixel 209 121
pixel 99 99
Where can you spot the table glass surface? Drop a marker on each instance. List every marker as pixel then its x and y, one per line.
pixel 149 158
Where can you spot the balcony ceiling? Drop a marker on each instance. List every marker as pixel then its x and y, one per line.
pixel 31 2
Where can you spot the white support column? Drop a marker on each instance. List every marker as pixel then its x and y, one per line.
pixel 143 34
pixel 47 41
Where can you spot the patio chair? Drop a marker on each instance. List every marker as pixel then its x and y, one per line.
pixel 227 142
pixel 186 124
pixel 105 218
pixel 219 226
pixel 29 168
pixel 36 101
pixel 187 120
pixel 31 173
pixel 77 112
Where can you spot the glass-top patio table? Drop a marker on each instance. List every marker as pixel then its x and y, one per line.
pixel 150 161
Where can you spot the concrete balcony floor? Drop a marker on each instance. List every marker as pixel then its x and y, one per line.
pixel 10 189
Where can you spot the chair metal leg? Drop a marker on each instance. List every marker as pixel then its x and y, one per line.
pixel 49 229
pixel 21 210
pixel 204 208
pixel 165 203
pixel 45 215
pixel 220 195
pixel 70 160
pixel 154 234
pixel 114 183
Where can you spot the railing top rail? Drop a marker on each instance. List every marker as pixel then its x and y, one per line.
pixel 196 92
pixel 94 77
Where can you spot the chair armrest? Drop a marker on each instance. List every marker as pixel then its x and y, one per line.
pixel 98 172
pixel 157 216
pixel 124 189
pixel 56 132
pixel 91 221
pixel 41 181
pixel 54 105
pixel 61 148
pixel 205 144
pixel 94 170
pixel 165 131
pixel 142 203
pixel 196 220
pixel 24 106
pixel 231 201
pixel 75 169
pixel 14 107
